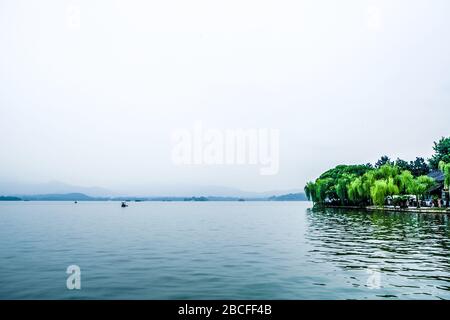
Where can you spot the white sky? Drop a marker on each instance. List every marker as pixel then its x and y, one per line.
pixel 95 104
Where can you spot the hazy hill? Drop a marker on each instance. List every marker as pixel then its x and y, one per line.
pixel 52 187
pixel 8 198
pixel 84 197
pixel 289 197
pixel 59 197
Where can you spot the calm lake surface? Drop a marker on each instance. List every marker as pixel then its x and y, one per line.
pixel 220 250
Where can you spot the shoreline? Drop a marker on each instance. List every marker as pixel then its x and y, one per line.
pixel 392 209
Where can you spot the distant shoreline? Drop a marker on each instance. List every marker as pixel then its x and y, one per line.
pixel 82 197
pixel 392 209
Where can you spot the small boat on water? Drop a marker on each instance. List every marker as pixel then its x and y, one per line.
pixel 124 204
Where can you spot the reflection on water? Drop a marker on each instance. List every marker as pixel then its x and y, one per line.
pixel 220 250
pixel 409 251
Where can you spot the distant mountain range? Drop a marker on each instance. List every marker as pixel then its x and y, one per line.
pixel 52 187
pixel 55 190
pixel 289 197
pixel 8 198
pixel 60 197
pixel 83 197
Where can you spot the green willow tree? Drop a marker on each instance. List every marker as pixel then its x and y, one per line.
pixel 310 191
pixel 383 188
pixel 392 187
pixel 405 180
pixel 445 168
pixel 420 186
pixel 342 187
pixel 378 192
pixel 356 192
pixel 364 185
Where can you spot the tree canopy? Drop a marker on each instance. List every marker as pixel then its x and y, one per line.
pixel 366 184
pixel 417 167
pixel 383 160
pixel 361 185
pixel 442 152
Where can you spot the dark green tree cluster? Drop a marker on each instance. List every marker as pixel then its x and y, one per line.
pixel 441 153
pixel 418 167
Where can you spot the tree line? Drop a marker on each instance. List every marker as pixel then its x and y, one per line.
pixel 364 185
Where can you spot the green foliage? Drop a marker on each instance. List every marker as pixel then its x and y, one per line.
pixel 383 161
pixel 324 189
pixel 378 192
pixel 339 171
pixel 442 152
pixel 342 185
pixel 445 168
pixel 381 189
pixel 426 182
pixel 355 190
pixel 392 188
pixel 402 164
pixel 337 186
pixel 310 191
pixel 364 184
pixel 420 186
pixel 419 167
pixel 405 179
pixel 386 171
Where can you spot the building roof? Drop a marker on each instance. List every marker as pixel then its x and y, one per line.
pixel 436 188
pixel 437 175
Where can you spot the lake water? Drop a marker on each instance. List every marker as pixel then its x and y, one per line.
pixel 220 250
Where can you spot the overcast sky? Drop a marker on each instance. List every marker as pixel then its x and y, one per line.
pixel 91 91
